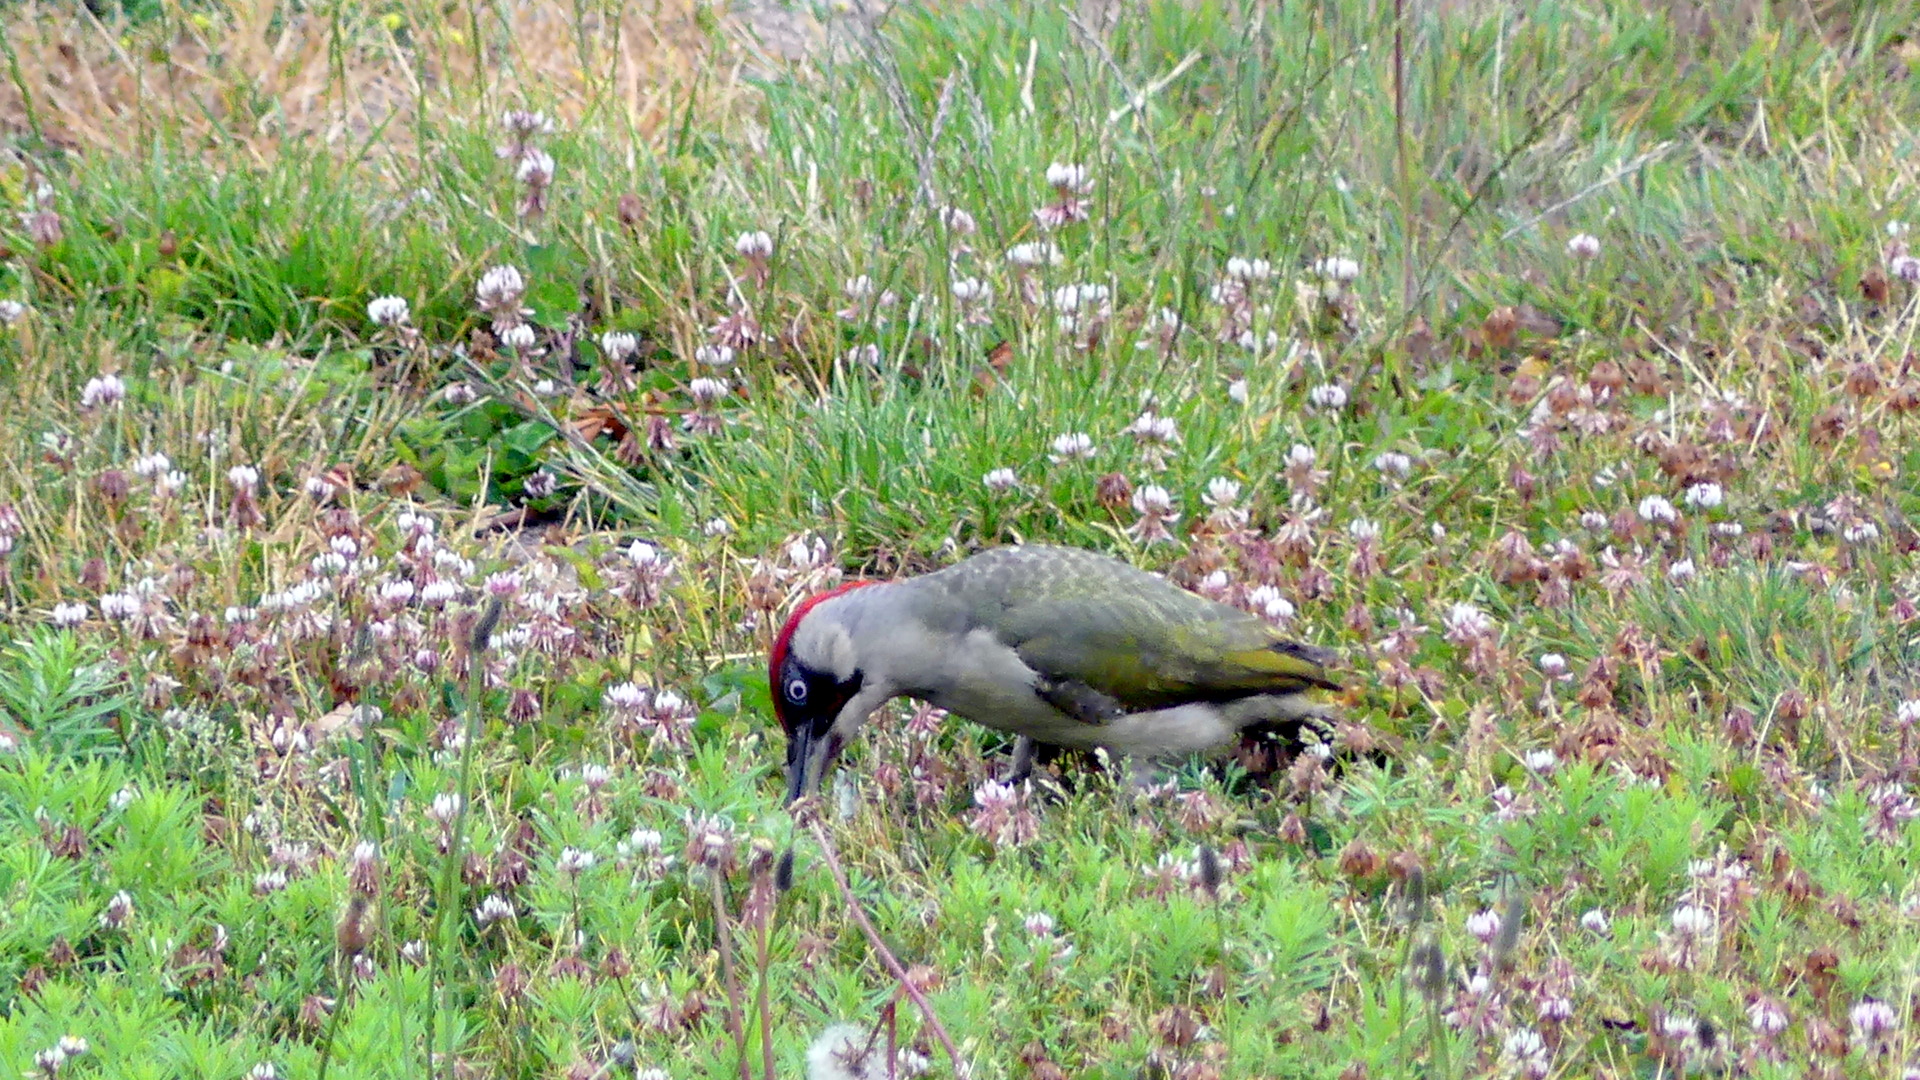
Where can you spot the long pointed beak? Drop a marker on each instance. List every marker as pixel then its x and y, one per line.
pixel 799 763
pixel 808 759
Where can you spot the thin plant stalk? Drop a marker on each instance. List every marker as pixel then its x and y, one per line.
pixel 880 949
pixel 445 898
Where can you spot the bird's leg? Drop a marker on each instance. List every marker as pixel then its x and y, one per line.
pixel 1143 771
pixel 1078 700
pixel 1023 751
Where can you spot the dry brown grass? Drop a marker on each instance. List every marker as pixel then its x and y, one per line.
pixel 253 74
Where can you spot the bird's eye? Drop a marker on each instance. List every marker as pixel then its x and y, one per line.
pixel 797 691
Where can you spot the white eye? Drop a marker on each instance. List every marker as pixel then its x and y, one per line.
pixel 797 691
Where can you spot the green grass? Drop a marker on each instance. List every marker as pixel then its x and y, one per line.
pixel 262 679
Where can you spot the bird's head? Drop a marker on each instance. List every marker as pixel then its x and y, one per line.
pixel 814 671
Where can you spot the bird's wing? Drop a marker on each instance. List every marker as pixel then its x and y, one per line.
pixel 1076 616
pixel 1152 647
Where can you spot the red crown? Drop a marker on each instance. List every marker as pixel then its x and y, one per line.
pixel 778 657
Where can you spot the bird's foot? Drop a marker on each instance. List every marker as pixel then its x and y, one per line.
pixel 1078 700
pixel 1042 784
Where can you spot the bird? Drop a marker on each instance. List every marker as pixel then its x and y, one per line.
pixel 1057 645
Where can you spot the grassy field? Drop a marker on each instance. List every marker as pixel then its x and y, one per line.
pixel 418 418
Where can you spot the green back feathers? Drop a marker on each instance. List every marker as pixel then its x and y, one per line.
pixel 1078 615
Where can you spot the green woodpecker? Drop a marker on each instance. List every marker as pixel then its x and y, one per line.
pixel 1057 645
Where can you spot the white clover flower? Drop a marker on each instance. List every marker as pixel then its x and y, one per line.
pixel 444 808
pixel 1249 270
pixel 387 311
pixel 756 244
pixel 1904 267
pixel 1393 463
pixel 619 344
pixel 1860 532
pixel 1237 391
pixel 1872 1019
pixel 1692 921
pixel 706 391
pixel 1069 177
pixel 1039 924
pixel 1222 492
pixel 716 527
pixel 1542 761
pixel 575 861
pixel 1153 499
pixel 1330 396
pixel 1681 572
pixel 643 842
pixel 1074 444
pixel 867 355
pixel 536 168
pixel 1465 621
pixel 972 291
pixel 958 220
pixel 714 356
pixel 492 910
pixel 244 479
pixel 103 391
pixel 500 288
pixel 1036 253
pixel 1596 921
pixel 624 699
pixel 1524 1043
pixel 1000 480
pixel 859 288
pixel 1151 427
pixel 1483 924
pixel 1552 665
pixel 1077 297
pixel 526 123
pixel 1583 246
pixel 11 311
pixel 119 607
pixel 644 556
pixel 66 616
pixel 1656 510
pixel 519 337
pixel 1337 268
pixel 1363 529
pixel 1704 496
pixel 1908 713
pixel 1768 1016
pixel 1269 603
